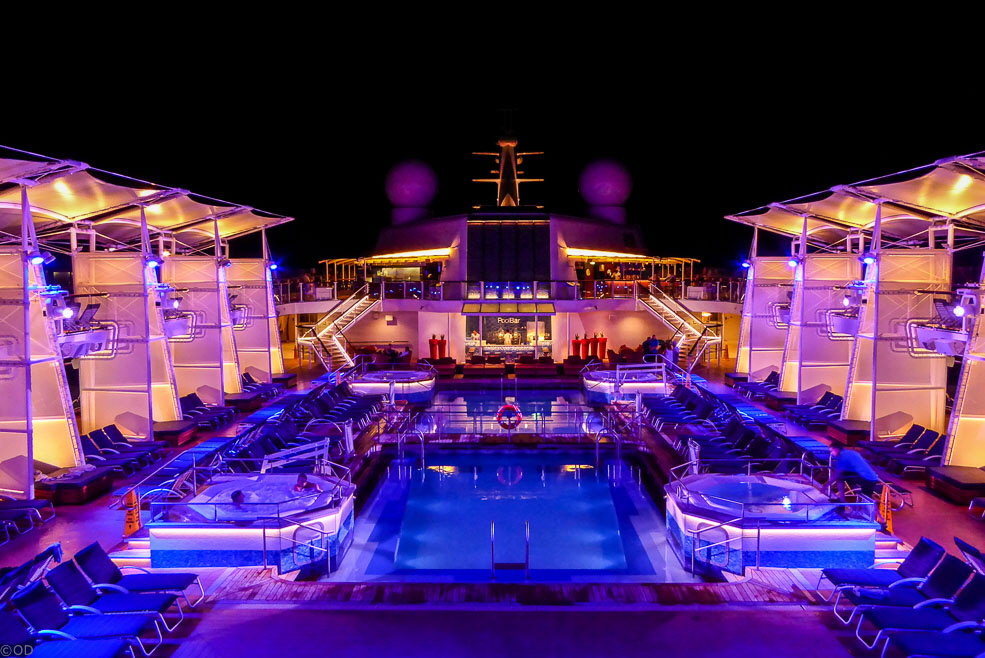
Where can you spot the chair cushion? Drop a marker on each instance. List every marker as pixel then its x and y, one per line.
pixel 938 644
pixel 88 626
pixel 149 602
pixel 928 619
pixel 961 477
pixel 80 649
pixel 155 582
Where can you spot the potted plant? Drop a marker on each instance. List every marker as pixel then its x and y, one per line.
pixel 602 345
pixel 576 347
pixel 442 347
pixel 433 346
pixel 593 345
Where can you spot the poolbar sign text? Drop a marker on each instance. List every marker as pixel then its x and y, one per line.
pixel 508 320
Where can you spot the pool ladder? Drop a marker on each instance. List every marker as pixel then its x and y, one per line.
pixel 525 565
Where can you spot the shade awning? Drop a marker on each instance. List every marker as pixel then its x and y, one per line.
pixel 62 193
pixel 949 192
pixel 508 308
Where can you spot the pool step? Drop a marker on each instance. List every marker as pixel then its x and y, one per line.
pixel 131 557
pixel 138 543
pixel 888 542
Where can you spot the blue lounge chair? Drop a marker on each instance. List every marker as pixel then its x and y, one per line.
pixel 968 606
pixel 71 586
pixel 918 564
pixel 41 609
pixel 959 641
pixel 49 644
pixel 941 586
pixel 101 571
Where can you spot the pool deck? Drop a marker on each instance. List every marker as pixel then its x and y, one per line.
pixel 769 612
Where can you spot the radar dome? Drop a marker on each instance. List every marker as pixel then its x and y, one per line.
pixel 411 184
pixel 605 183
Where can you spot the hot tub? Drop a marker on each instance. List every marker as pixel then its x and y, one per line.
pixel 274 525
pixel 604 386
pixel 731 522
pixel 416 386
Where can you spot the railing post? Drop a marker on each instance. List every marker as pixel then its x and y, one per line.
pixel 526 560
pixel 492 542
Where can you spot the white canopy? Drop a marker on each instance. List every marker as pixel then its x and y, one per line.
pixel 62 193
pixel 948 192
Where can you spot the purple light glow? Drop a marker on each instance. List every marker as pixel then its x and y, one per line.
pixel 411 184
pixel 605 183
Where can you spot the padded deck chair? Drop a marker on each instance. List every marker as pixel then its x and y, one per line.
pixel 102 571
pixel 116 436
pixel 107 445
pixel 14 633
pixel 40 608
pixel 958 641
pixel 42 510
pixel 72 587
pixel 918 564
pixel 912 434
pixel 941 585
pixel 971 555
pixel 968 606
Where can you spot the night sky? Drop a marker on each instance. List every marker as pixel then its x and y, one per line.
pixel 693 159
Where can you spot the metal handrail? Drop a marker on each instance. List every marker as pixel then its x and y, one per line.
pixel 321 532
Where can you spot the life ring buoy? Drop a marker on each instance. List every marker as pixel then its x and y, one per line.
pixel 516 474
pixel 509 417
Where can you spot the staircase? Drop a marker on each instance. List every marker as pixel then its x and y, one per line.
pixel 134 551
pixel 692 336
pixel 326 337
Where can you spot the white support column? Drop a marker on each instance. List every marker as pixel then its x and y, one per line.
pixel 768 281
pixel 966 431
pixel 257 338
pixel 37 420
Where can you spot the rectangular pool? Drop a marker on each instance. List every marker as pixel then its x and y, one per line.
pixel 431 521
pixel 544 411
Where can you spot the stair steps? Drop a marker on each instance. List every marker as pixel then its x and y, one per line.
pixel 131 557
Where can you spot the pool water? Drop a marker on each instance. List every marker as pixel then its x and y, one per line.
pixel 543 411
pixel 587 522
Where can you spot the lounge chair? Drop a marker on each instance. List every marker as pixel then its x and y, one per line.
pixel 102 571
pixel 46 644
pixel 968 606
pixel 40 608
pixel 958 641
pixel 918 564
pixel 116 436
pixel 72 587
pixel 42 510
pixel 941 585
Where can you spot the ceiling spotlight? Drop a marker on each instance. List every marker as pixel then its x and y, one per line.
pixel 959 311
pixel 153 261
pixel 176 302
pixel 846 301
pixel 35 258
pixel 47 257
pixel 868 258
pixel 272 266
pixel 746 264
pixel 68 312
pixel 224 262
pixel 793 261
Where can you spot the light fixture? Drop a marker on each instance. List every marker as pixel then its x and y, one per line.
pixel 35 258
pixel 47 257
pixel 67 312
pixel 846 301
pixel 150 260
pixel 224 262
pixel 867 258
pixel 272 266
pixel 959 311
pixel 746 264
pixel 176 302
pixel 165 253
pixel 793 261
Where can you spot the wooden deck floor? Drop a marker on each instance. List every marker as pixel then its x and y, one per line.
pixel 764 586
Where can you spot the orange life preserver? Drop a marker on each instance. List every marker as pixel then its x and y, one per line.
pixel 510 422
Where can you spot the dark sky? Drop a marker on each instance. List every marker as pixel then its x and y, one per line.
pixel 696 151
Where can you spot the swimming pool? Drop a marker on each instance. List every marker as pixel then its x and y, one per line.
pixel 431 521
pixel 544 411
